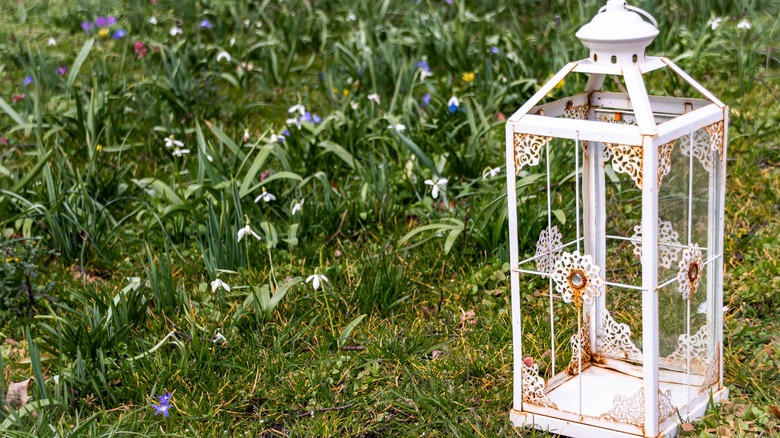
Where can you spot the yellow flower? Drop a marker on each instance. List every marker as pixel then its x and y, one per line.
pixel 345 92
pixel 468 76
pixel 99 147
pixel 12 259
pixel 103 32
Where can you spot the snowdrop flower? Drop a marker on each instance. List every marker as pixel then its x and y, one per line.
pixel 223 55
pixel 351 17
pixel 179 152
pixel 52 41
pixel 294 121
pixel 175 31
pixel 714 22
pixel 266 197
pixel 703 308
pixel 491 173
pixel 297 206
pixel 232 42
pixel 153 21
pixel 316 280
pixel 425 71
pixel 246 135
pixel 744 24
pixel 170 142
pixel 247 230
pixel 297 108
pixel 276 139
pixel 375 97
pixel 436 184
pixel 454 104
pixel 216 284
pixel 219 339
pixel 397 127
pixel 354 105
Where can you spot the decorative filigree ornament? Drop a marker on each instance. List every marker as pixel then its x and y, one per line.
pixel 548 249
pixel 702 150
pixel 580 344
pixel 712 376
pixel 577 278
pixel 625 159
pixel 665 160
pixel 715 131
pixel 631 409
pixel 533 387
pixel 698 344
pixel 668 243
pixel 528 148
pixel 579 112
pixel 615 339
pixel 689 273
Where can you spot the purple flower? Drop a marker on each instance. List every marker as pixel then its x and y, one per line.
pixel 119 34
pixel 426 100
pixel 449 2
pixel 164 406
pixel 286 133
pixel 61 70
pixel 311 118
pixel 87 26
pixel 110 21
pixel 424 66
pixel 206 24
pixel 27 81
pixel 101 21
pixel 494 50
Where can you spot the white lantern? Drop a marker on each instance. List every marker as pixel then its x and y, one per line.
pixel 625 191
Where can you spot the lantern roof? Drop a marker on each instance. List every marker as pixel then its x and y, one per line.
pixel 617 37
pixel 618 34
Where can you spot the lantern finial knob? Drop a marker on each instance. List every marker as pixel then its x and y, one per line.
pixel 618 34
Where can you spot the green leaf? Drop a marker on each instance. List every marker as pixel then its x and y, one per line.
pixel 340 152
pixel 12 112
pixel 32 173
pixel 348 329
pixel 560 216
pixel 74 70
pixel 259 161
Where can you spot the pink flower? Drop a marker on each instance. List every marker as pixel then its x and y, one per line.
pixel 140 49
pixel 18 98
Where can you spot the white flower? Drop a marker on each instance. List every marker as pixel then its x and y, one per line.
pixel 297 206
pixel 744 24
pixel 175 31
pixel 52 41
pixel 153 21
pixel 216 284
pixel 714 22
pixel 351 17
pixel 294 121
pixel 299 108
pixel 316 280
pixel 246 135
pixel 210 158
pixel 265 196
pixel 354 105
pixel 397 127
pixel 244 231
pixel 219 339
pixel 179 152
pixel 425 74
pixel 223 55
pixel 170 142
pixel 703 308
pixel 453 102
pixel 375 97
pixel 491 173
pixel 275 138
pixel 436 184
pixel 232 42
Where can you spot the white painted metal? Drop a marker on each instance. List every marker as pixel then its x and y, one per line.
pixel 588 130
pixel 546 88
pixel 720 219
pixel 617 35
pixel 514 276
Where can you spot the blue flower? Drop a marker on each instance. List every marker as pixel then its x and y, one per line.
pixel 286 133
pixel 426 100
pixel 425 70
pixel 164 405
pixel 423 65
pixel 119 34
pixel 206 24
pixel 311 118
pixel 27 81
pixel 494 50
pixel 453 104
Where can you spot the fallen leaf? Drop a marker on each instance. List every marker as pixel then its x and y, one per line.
pixel 528 361
pixel 17 394
pixel 468 317
pixel 774 410
pixel 687 427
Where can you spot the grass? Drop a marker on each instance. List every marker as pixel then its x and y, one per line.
pixel 111 240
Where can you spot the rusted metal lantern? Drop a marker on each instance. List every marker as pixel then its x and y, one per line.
pixel 617 312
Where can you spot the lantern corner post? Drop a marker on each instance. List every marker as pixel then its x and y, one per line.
pixel 517 328
pixel 650 344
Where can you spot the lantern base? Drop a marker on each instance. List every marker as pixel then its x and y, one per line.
pixel 561 419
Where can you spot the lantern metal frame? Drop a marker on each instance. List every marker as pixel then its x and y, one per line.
pixel 529 132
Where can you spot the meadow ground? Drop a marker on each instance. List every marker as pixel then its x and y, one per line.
pixel 369 295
